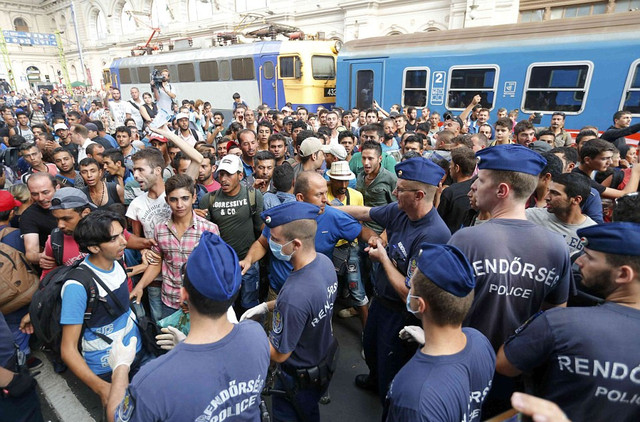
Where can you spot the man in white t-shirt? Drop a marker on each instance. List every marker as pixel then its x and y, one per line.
pixel 562 213
pixel 120 110
pixel 164 95
pixel 136 102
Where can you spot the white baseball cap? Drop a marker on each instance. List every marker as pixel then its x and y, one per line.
pixel 231 164
pixel 336 150
pixel 59 126
pixel 310 146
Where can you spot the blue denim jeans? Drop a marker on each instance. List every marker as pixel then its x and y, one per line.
pixel 249 292
pixel 155 302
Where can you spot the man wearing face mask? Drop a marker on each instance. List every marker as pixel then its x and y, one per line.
pixel 440 295
pixel 301 337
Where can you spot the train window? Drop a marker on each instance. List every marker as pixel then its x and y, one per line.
pixel 242 69
pixel 224 70
pixel 323 67
pixel 186 72
pixel 415 85
pixel 290 67
pixel 469 81
pixel 553 87
pixel 631 94
pixel 364 89
pixel 125 75
pixel 144 75
pixel 268 70
pixel 209 71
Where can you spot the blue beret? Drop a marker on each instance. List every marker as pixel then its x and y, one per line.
pixel 618 238
pixel 511 157
pixel 421 170
pixel 288 212
pixel 447 267
pixel 213 268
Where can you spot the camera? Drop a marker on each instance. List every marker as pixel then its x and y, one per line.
pixel 157 79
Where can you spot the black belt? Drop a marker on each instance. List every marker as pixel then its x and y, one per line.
pixel 315 376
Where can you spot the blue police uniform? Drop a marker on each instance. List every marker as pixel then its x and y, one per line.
pixel 333 225
pixel 384 352
pixel 302 326
pixel 446 387
pixel 518 266
pixel 590 355
pixel 205 382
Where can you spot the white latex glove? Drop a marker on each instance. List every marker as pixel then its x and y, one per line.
pixel 121 354
pixel 412 333
pixel 256 312
pixel 170 338
pixel 231 315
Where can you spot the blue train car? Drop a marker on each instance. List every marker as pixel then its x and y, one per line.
pixel 273 72
pixel 587 68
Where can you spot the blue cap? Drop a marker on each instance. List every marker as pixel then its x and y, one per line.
pixel 288 212
pixel 511 157
pixel 618 238
pixel 213 268
pixel 421 170
pixel 447 267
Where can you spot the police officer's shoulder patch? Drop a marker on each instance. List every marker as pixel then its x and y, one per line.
pixel 125 408
pixel 277 322
pixel 521 328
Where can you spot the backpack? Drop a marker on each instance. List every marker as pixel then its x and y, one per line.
pixel 46 304
pixel 18 278
pixel 57 245
pixel 9 157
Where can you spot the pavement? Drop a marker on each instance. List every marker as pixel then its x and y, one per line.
pixel 65 398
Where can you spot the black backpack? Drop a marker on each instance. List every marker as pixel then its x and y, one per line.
pixel 9 157
pixel 46 304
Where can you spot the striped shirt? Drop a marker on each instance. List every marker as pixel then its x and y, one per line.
pixel 175 252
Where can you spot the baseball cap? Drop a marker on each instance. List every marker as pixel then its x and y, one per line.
pixel 158 138
pixel 455 119
pixel 231 164
pixel 59 126
pixel 310 146
pixel 285 108
pixel 420 170
pixel 67 198
pixel 182 116
pixel 336 150
pixel 288 120
pixel 7 201
pixel 617 238
pixel 91 127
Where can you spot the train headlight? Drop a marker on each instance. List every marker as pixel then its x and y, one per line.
pixel 336 47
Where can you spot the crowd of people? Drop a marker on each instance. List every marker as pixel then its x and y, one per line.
pixel 484 258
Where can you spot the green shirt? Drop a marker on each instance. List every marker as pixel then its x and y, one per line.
pixel 377 193
pixel 388 162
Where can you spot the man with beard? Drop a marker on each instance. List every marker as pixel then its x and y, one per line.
pixel 562 138
pixel 591 369
pixel 67 175
pixel 562 214
pixel 123 137
pixel 205 175
pixel 264 163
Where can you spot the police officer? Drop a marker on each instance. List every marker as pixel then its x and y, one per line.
pixel 409 222
pixel 520 267
pixel 217 372
pixel 440 294
pixel 591 353
pixel 301 337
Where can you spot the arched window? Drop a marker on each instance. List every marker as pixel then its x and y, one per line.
pixel 98 24
pixel 20 25
pixel 127 23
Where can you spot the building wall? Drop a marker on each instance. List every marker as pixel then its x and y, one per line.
pixel 106 33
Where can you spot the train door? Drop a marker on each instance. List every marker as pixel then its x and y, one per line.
pixel 365 84
pixel 270 87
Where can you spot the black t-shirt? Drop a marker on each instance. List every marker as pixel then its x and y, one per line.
pixel 454 204
pixel 35 219
pixel 597 186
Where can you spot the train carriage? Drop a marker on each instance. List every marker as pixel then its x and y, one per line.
pixel 273 72
pixel 587 68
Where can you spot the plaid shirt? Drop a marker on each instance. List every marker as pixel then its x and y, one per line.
pixel 175 252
